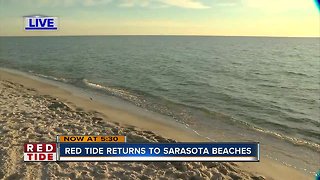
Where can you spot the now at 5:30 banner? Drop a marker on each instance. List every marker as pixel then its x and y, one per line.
pixel 158 152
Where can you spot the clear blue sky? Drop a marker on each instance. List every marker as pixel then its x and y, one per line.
pixel 166 17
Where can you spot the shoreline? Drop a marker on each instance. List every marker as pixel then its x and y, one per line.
pixel 161 128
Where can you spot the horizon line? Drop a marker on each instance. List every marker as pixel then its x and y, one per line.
pixel 190 35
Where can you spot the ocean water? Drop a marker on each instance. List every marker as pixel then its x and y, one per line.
pixel 224 88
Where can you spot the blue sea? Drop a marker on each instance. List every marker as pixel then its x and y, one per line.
pixel 223 88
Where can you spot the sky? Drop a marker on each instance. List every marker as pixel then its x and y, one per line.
pixel 297 18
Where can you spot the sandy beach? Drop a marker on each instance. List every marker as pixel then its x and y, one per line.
pixel 34 111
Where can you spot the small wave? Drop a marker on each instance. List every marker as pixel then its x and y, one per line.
pixel 262 73
pixel 292 140
pixel 49 77
pixel 267 85
pixel 114 91
pixel 297 73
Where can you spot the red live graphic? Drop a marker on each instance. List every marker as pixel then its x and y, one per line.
pixel 40 152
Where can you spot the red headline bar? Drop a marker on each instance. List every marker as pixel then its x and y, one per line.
pixel 40 147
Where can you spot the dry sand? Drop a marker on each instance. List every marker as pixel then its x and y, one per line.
pixel 33 111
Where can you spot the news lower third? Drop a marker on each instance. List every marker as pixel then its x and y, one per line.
pixel 116 148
